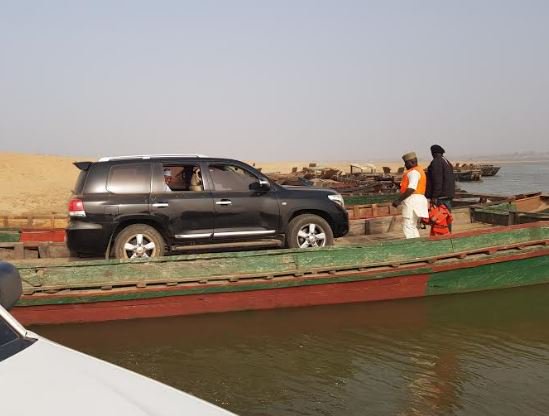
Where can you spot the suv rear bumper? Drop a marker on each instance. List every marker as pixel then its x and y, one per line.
pixel 88 238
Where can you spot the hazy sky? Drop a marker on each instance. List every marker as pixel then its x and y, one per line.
pixel 274 80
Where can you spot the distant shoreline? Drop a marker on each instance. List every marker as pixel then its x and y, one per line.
pixel 518 161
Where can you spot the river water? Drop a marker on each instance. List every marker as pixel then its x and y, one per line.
pixel 473 354
pixel 512 179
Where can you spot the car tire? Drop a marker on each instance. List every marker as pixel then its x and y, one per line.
pixel 308 230
pixel 138 241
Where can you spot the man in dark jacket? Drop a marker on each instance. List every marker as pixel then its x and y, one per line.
pixel 441 183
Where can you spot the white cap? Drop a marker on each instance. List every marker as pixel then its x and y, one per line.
pixel 167 172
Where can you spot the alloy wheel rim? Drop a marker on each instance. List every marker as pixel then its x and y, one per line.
pixel 139 246
pixel 311 235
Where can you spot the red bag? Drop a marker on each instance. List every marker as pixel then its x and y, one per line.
pixel 440 219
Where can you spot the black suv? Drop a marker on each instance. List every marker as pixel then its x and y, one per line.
pixel 143 206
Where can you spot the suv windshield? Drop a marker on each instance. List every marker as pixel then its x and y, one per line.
pixel 10 341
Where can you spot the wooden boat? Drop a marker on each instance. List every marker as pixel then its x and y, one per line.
pixel 466 199
pixel 101 290
pixel 461 199
pixel 489 170
pixel 467 175
pixel 521 209
pixel 374 206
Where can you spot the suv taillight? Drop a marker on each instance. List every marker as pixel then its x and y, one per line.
pixel 76 208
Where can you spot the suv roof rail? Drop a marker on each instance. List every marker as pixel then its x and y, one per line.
pixel 108 158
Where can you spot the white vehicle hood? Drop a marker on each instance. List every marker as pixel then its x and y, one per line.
pixel 47 379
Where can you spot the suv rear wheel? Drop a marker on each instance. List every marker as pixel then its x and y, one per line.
pixel 138 241
pixel 309 230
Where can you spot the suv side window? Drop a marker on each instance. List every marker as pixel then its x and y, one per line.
pixel 129 179
pixel 230 178
pixel 182 177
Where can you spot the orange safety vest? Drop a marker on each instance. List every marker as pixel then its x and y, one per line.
pixel 422 184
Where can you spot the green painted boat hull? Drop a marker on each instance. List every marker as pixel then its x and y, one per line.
pixel 178 285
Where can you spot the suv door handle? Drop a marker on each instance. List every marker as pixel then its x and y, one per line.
pixel 161 205
pixel 224 202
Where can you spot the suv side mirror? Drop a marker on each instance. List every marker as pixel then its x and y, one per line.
pixel 260 185
pixel 10 285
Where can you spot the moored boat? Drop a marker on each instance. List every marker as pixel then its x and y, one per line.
pixel 489 170
pixel 467 175
pixel 521 209
pixel 371 206
pixel 100 290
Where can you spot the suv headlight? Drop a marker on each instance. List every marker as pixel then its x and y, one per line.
pixel 338 199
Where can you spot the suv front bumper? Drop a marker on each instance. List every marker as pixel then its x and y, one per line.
pixel 340 223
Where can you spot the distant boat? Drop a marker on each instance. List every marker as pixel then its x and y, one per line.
pixel 467 175
pixel 489 170
pixel 474 172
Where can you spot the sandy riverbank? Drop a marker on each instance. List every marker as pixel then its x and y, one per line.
pixel 35 183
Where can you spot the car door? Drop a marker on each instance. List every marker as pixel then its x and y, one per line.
pixel 186 207
pixel 241 211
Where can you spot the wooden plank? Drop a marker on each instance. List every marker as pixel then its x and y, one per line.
pixel 46 234
pixel 34 220
pixel 18 251
pixel 357 227
pixel 9 236
pixel 43 250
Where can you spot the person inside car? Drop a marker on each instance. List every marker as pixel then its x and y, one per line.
pixel 167 180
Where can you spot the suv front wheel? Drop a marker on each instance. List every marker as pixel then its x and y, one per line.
pixel 309 230
pixel 138 241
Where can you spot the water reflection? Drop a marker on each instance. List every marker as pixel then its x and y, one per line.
pixel 484 353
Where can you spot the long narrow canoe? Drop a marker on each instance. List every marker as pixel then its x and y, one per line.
pixel 101 290
pixel 520 210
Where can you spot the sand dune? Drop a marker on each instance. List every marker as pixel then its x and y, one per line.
pixel 43 183
pixel 35 183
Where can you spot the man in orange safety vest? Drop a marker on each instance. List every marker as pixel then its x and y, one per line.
pixel 412 196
